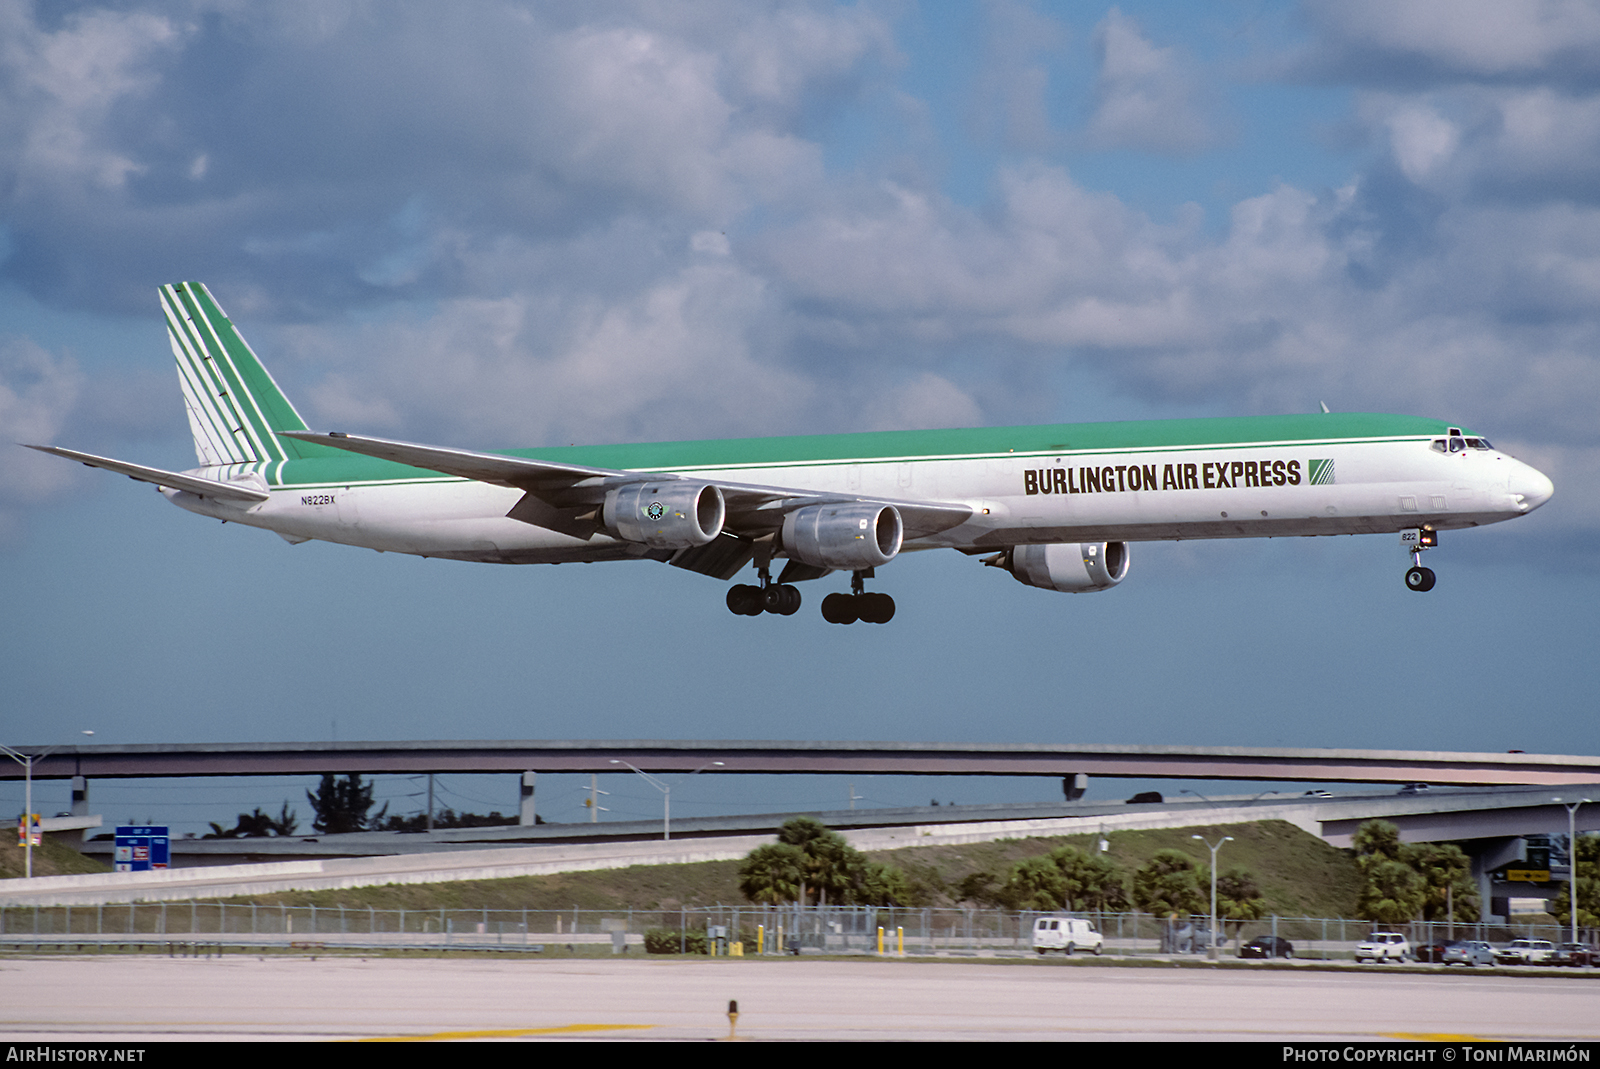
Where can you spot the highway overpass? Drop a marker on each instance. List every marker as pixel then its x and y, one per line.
pixel 855 758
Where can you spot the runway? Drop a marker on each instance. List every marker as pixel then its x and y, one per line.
pixel 144 999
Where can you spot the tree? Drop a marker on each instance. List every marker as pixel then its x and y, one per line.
pixel 1446 871
pixel 773 874
pixel 1092 881
pixel 1393 892
pixel 1586 853
pixel 884 885
pixel 1169 883
pixel 1034 883
pixel 342 805
pixel 810 862
pixel 1239 899
pixel 257 825
pixel 981 888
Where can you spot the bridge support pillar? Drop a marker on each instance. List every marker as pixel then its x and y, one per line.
pixel 526 815
pixel 1074 785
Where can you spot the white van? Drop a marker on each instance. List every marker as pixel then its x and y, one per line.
pixel 1065 934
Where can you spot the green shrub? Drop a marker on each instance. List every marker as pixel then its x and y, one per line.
pixel 672 941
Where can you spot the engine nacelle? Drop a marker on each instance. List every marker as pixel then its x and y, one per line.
pixel 853 536
pixel 665 515
pixel 1071 567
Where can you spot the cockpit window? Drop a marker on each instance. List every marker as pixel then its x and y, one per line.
pixel 1457 444
pixel 1478 443
pixel 1438 445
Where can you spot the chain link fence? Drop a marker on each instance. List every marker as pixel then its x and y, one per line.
pixel 756 929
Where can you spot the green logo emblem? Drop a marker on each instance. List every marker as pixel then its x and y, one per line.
pixel 1321 472
pixel 655 510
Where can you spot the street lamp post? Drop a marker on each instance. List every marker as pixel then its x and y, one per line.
pixel 1211 951
pixel 27 761
pixel 666 792
pixel 1572 858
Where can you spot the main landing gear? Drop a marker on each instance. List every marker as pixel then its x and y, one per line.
pixel 869 608
pixel 1416 540
pixel 779 598
pixel 784 600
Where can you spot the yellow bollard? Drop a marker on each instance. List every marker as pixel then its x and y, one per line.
pixel 761 939
pixel 900 934
pixel 735 950
pixel 880 940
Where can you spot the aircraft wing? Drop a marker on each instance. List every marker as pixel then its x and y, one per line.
pixel 753 510
pixel 194 484
pixel 516 472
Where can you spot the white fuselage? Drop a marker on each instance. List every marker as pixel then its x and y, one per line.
pixel 1234 491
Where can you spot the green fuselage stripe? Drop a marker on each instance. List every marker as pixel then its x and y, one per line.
pixel 881 447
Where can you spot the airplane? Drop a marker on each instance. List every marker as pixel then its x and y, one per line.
pixel 1056 506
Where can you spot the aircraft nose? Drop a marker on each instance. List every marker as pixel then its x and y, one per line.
pixel 1529 486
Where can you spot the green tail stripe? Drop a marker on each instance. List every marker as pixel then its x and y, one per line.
pixel 240 404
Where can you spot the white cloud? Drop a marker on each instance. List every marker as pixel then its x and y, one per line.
pixel 1422 140
pixel 1011 99
pixel 58 90
pixel 37 393
pixel 1146 97
pixel 1478 38
pixel 552 223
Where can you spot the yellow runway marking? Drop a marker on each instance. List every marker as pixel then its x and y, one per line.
pixel 1437 1037
pixel 506 1033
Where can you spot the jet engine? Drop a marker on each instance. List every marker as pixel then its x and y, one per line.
pixel 1070 567
pixel 665 515
pixel 852 536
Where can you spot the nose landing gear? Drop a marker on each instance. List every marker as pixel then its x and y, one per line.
pixel 869 608
pixel 1415 541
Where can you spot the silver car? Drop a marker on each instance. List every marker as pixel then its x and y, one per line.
pixel 1468 952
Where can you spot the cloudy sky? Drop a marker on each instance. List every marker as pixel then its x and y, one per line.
pixel 512 224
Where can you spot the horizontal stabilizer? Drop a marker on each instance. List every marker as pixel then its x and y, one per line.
pixel 193 484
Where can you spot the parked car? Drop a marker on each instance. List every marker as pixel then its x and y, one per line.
pixel 1267 946
pixel 1412 788
pixel 1066 934
pixel 1431 951
pixel 1317 794
pixel 1525 952
pixel 1468 952
pixel 1578 955
pixel 1383 946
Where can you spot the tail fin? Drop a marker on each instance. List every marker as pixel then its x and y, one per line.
pixel 235 408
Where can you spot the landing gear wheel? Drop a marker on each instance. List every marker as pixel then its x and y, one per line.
pixel 783 600
pixel 745 600
pixel 1420 579
pixel 839 609
pixel 875 608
